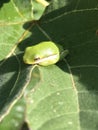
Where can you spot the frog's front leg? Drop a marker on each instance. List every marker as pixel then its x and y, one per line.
pixel 63 54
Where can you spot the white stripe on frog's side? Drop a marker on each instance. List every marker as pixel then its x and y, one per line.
pixel 43 2
pixel 45 59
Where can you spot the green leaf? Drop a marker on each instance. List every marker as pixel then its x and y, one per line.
pixel 13 80
pixel 61 96
pixel 13 15
pixel 15 119
pixel 53 101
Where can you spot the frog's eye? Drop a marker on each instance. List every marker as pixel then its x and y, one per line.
pixel 38 58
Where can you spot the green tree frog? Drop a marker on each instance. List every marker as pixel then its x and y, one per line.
pixel 44 53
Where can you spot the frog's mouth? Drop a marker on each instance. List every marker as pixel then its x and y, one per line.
pixel 45 59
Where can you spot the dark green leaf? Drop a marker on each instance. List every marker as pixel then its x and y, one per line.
pixel 61 96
